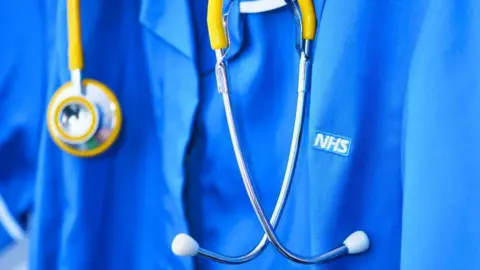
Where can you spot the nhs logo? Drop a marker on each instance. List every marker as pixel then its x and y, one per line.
pixel 332 143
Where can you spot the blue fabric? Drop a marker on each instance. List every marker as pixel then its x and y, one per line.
pixel 441 146
pixel 22 79
pixel 397 78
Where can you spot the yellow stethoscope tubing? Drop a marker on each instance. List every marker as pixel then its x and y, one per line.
pixel 75 50
pixel 75 65
pixel 218 36
pixel 216 30
pixel 309 19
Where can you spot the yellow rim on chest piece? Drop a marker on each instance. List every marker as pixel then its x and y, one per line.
pixel 104 126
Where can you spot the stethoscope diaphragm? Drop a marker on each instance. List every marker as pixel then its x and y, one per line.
pixel 87 124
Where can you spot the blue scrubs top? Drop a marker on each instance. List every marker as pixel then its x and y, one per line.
pixel 379 84
pixel 22 79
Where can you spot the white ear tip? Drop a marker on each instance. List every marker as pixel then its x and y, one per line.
pixel 184 245
pixel 357 242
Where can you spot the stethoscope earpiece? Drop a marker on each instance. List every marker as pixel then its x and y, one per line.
pixel 84 125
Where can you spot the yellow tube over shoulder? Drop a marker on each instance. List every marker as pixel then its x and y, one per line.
pixel 75 51
pixel 309 19
pixel 216 31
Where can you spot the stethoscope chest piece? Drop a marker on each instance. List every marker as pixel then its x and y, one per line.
pixel 87 124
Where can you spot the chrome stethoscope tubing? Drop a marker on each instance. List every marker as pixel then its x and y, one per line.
pixel 267 227
pixel 286 184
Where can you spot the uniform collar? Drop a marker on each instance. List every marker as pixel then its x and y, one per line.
pixel 171 21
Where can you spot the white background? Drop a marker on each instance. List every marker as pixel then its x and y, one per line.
pixel 15 257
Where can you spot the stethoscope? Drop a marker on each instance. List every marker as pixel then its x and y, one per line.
pixel 305 17
pixel 83 116
pixel 84 119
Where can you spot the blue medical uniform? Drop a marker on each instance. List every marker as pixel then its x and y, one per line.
pixel 173 169
pixel 120 210
pixel 22 78
pixel 441 222
pixel 358 86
